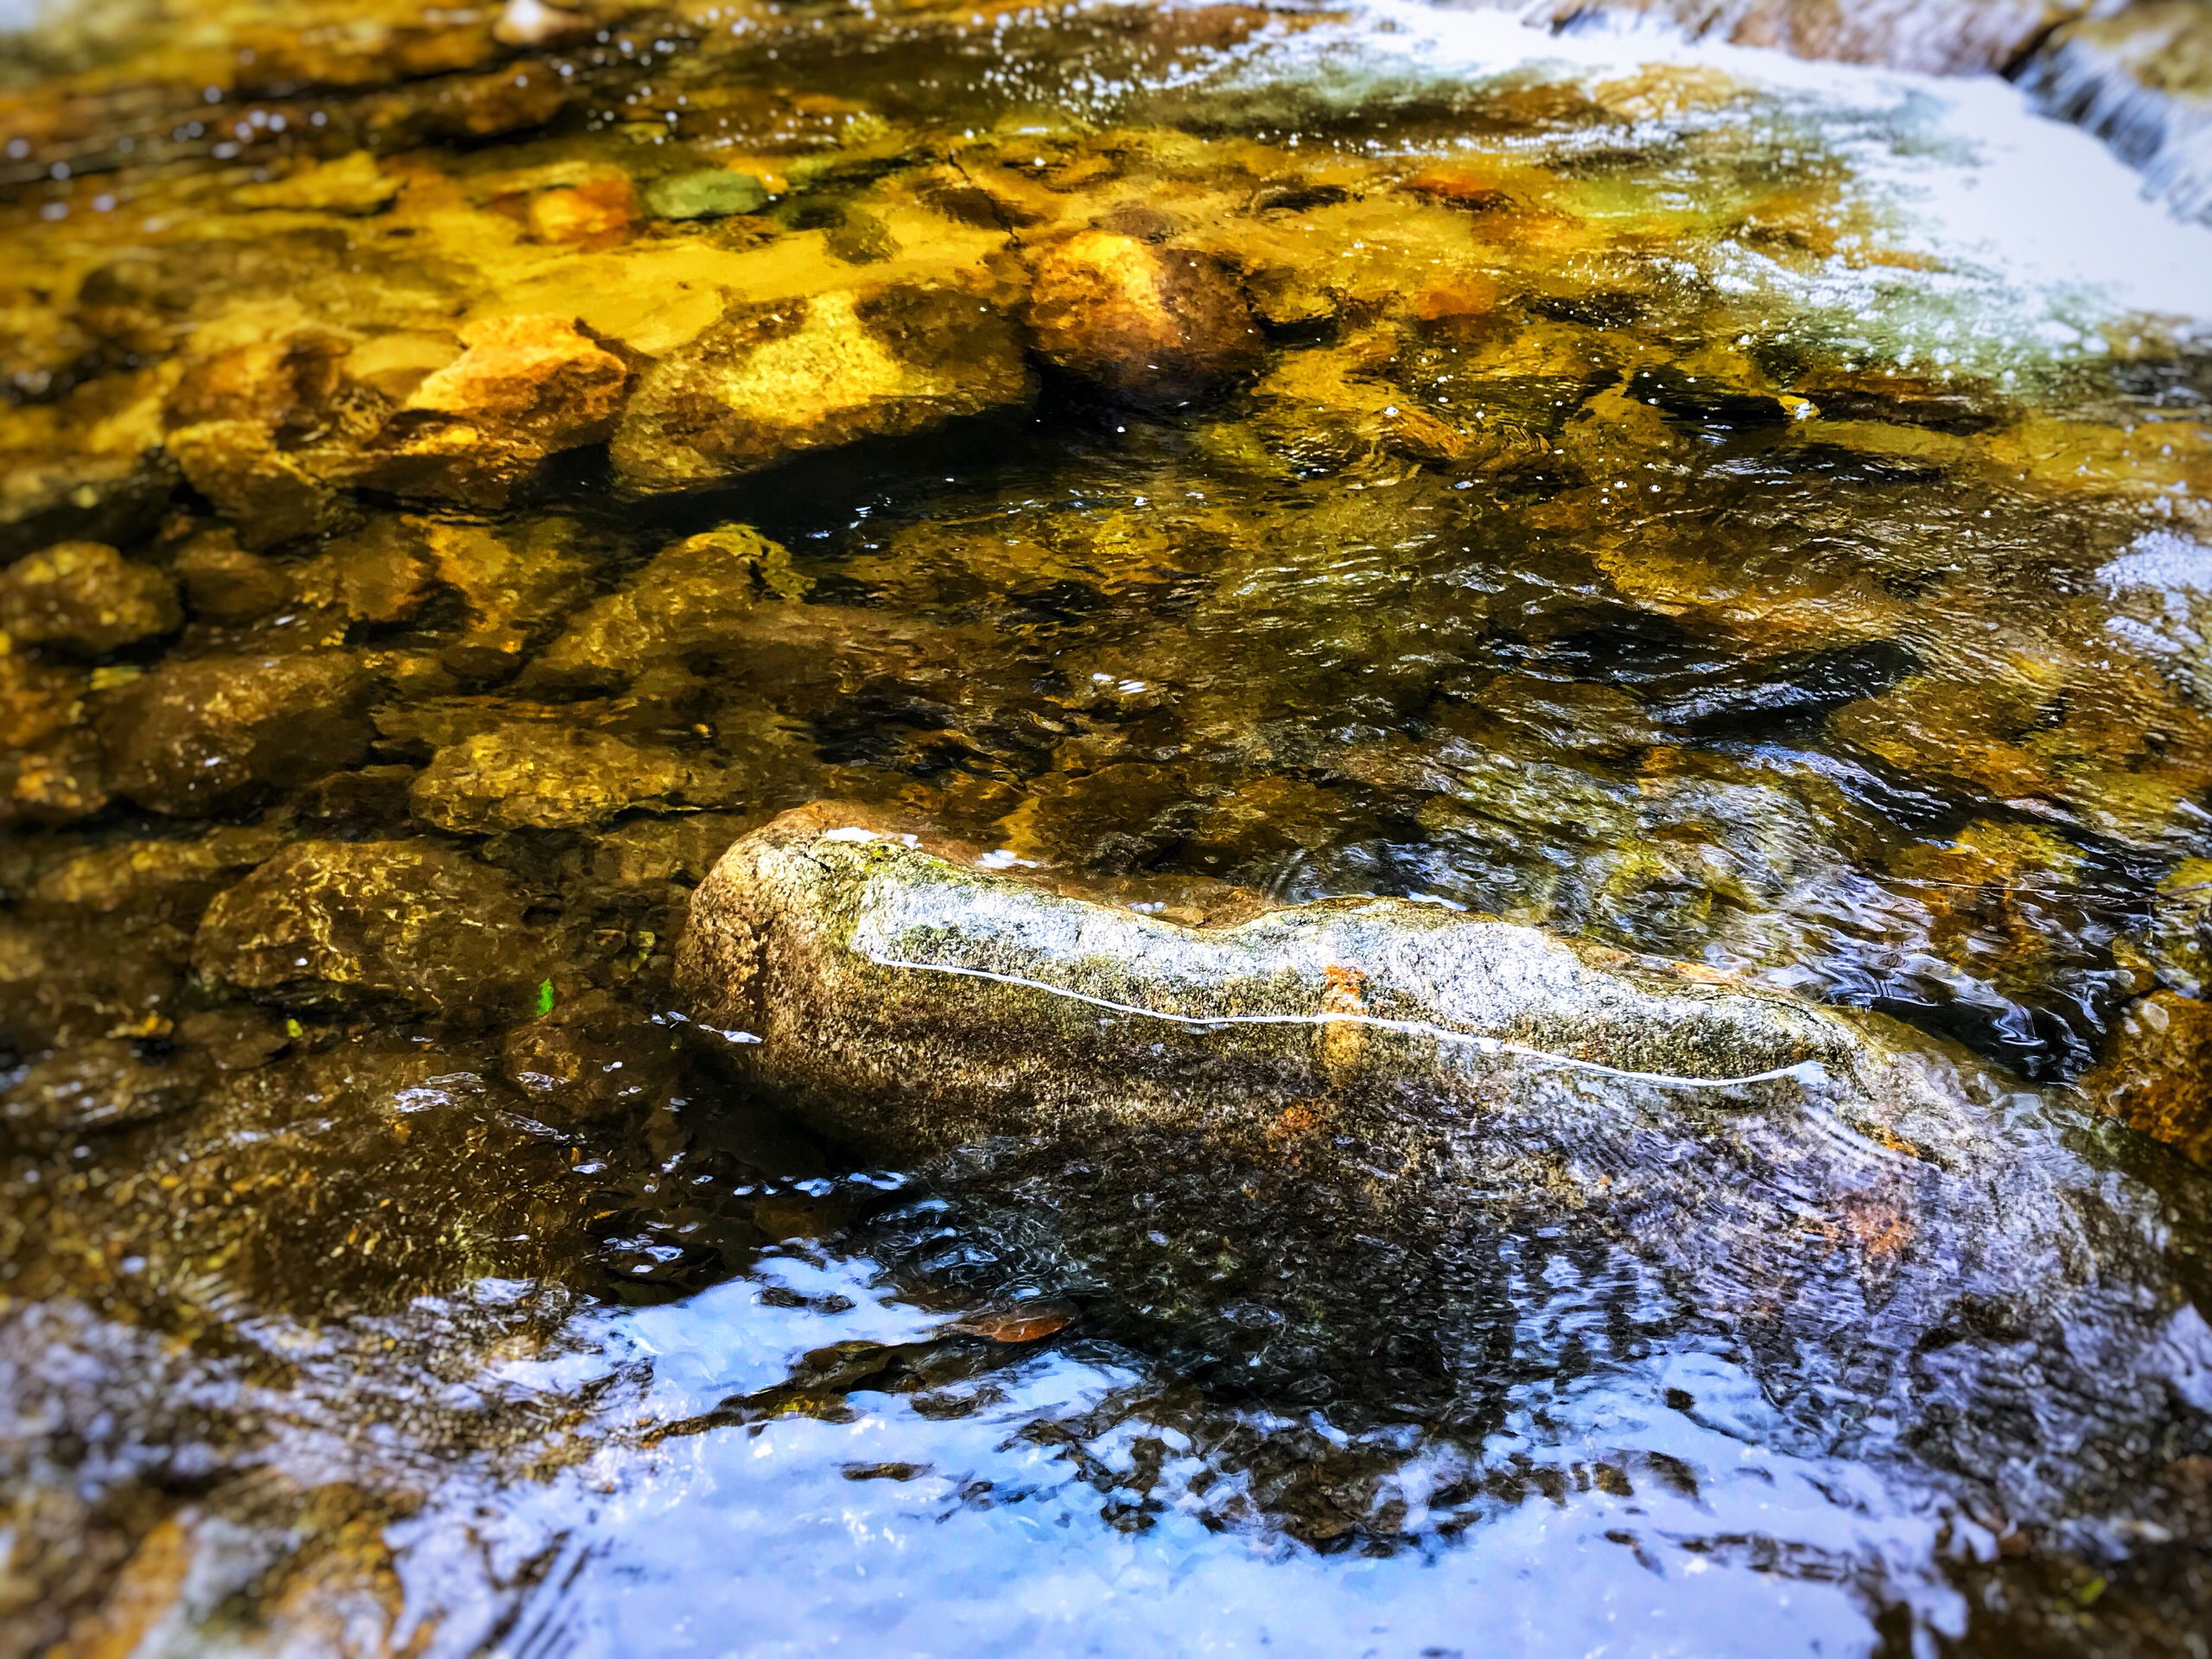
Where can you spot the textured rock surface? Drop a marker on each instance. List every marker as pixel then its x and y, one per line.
pixel 399 924
pixel 691 598
pixel 87 598
pixel 526 388
pixel 98 1085
pixel 50 766
pixel 708 193
pixel 2157 1074
pixel 201 735
pixel 542 775
pixel 167 879
pixel 351 184
pixel 786 935
pixel 1151 325
pixel 265 493
pixel 772 378
pixel 225 584
pixel 1867 1193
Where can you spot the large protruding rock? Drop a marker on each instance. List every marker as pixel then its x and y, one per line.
pixel 1379 1070
pixel 526 388
pixel 912 1001
pixel 772 378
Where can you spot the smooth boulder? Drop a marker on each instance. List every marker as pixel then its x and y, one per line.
pixel 1840 1192
pixel 1145 325
pixel 912 1000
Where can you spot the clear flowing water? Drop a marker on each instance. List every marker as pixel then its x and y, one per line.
pixel 1736 509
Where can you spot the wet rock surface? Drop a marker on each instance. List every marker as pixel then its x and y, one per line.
pixel 1145 325
pixel 773 379
pixel 525 388
pixel 2156 1077
pixel 325 923
pixel 87 599
pixel 547 778
pixel 833 942
pixel 202 735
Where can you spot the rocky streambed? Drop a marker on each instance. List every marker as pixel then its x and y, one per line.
pixel 1157 827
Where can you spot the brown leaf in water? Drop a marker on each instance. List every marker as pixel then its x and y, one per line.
pixel 1025 1322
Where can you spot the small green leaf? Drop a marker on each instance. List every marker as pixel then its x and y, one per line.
pixel 2089 1592
pixel 293 1028
pixel 545 998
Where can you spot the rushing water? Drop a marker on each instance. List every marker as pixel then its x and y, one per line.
pixel 1727 508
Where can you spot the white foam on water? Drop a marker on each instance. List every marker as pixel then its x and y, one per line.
pixel 2160 562
pixel 2041 235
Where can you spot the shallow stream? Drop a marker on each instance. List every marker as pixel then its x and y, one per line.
pixel 1732 509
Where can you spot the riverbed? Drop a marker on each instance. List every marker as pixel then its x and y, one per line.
pixel 461 471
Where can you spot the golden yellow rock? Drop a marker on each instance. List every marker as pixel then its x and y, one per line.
pixel 2157 1074
pixel 281 384
pixel 353 185
pixel 771 379
pixel 87 598
pixel 263 491
pixel 600 214
pixel 50 767
pixel 527 387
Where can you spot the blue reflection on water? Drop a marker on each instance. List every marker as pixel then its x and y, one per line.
pixel 792 1537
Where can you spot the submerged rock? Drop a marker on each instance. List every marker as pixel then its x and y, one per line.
pixel 2180 945
pixel 334 924
pixel 352 185
pixel 105 1084
pixel 2155 1075
pixel 50 766
pixel 266 492
pixel 1147 325
pixel 526 388
pixel 542 776
pixel 85 597
pixel 692 598
pixel 600 214
pixel 227 585
pixel 201 736
pixel 708 193
pixel 770 379
pixel 169 881
pixel 589 1057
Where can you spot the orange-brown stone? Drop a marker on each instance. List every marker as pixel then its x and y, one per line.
pixel 1148 325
